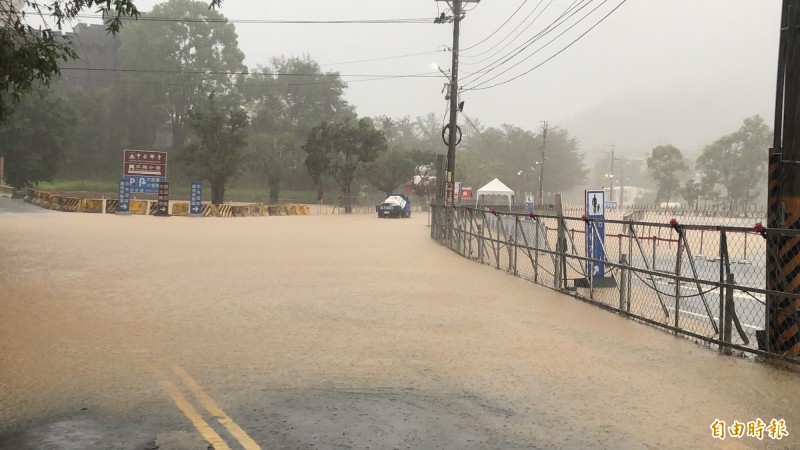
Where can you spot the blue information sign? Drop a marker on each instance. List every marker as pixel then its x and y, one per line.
pixel 595 236
pixel 143 185
pixel 124 199
pixel 195 199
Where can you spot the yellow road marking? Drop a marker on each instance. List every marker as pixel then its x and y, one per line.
pixel 208 403
pixel 188 410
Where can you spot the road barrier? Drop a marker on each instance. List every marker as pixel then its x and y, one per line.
pixel 180 209
pixel 75 202
pixel 91 205
pixel 68 204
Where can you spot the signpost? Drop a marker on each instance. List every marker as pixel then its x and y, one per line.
pixel 143 185
pixel 466 193
pixel 595 234
pixel 146 163
pixel 162 204
pixel 611 205
pixel 124 198
pixel 144 169
pixel 195 200
pixel 529 203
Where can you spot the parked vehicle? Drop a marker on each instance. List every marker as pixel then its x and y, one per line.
pixel 395 205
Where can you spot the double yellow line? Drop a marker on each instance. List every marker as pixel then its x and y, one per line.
pixel 217 413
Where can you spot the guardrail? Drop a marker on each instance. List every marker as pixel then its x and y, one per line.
pixel 700 281
pixel 74 202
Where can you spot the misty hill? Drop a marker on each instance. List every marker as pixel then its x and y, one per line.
pixel 688 116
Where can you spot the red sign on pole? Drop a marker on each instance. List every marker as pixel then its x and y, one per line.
pixel 145 163
pixel 466 193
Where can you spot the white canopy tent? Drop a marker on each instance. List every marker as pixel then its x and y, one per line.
pixel 495 188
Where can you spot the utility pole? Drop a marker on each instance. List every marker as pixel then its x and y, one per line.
pixel 621 182
pixel 611 175
pixel 782 325
pixel 541 164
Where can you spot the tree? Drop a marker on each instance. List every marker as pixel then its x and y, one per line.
pixel 691 192
pixel 514 155
pixel 289 98
pixel 183 60
pixel 34 138
pixel 216 152
pixel 275 153
pixel 95 148
pixel 31 56
pixel 392 168
pixel 737 161
pixel 424 173
pixel 665 162
pixel 341 149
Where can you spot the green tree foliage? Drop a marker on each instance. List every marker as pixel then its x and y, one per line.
pixel 275 154
pixel 691 192
pixel 215 152
pixel 424 173
pixel 34 138
pixel 294 95
pixel 737 162
pixel 182 61
pixel 31 55
pixel 96 147
pixel 342 149
pixel 665 163
pixel 289 98
pixel 514 156
pixel 392 168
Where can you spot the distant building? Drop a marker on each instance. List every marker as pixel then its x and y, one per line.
pixel 97 57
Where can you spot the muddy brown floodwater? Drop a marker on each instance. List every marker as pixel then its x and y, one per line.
pixel 333 331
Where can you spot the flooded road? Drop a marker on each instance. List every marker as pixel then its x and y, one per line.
pixel 333 331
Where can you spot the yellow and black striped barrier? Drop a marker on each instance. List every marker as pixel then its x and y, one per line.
pixel 111 206
pixel 70 204
pixel 224 211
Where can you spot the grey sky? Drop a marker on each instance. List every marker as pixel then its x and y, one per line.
pixel 722 52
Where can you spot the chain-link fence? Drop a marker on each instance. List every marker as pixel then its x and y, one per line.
pixel 678 272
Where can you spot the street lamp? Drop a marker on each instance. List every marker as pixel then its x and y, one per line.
pixel 610 178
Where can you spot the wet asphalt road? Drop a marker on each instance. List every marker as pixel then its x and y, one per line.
pixel 331 332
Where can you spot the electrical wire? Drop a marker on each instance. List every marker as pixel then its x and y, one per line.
pixel 144 18
pixel 500 27
pixel 477 87
pixel 508 57
pixel 201 72
pixel 530 24
pixel 408 55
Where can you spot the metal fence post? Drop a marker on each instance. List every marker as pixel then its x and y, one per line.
pixel 623 282
pixel 480 235
pixel 678 258
pixel 514 245
pixel 536 229
pixel 729 311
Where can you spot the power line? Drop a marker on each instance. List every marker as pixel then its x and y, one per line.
pixel 548 59
pixel 500 27
pixel 143 18
pixel 547 30
pixel 510 34
pixel 203 72
pixel 379 59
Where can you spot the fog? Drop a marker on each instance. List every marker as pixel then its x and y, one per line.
pixel 654 72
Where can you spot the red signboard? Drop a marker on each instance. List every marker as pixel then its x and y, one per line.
pixel 466 193
pixel 145 163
